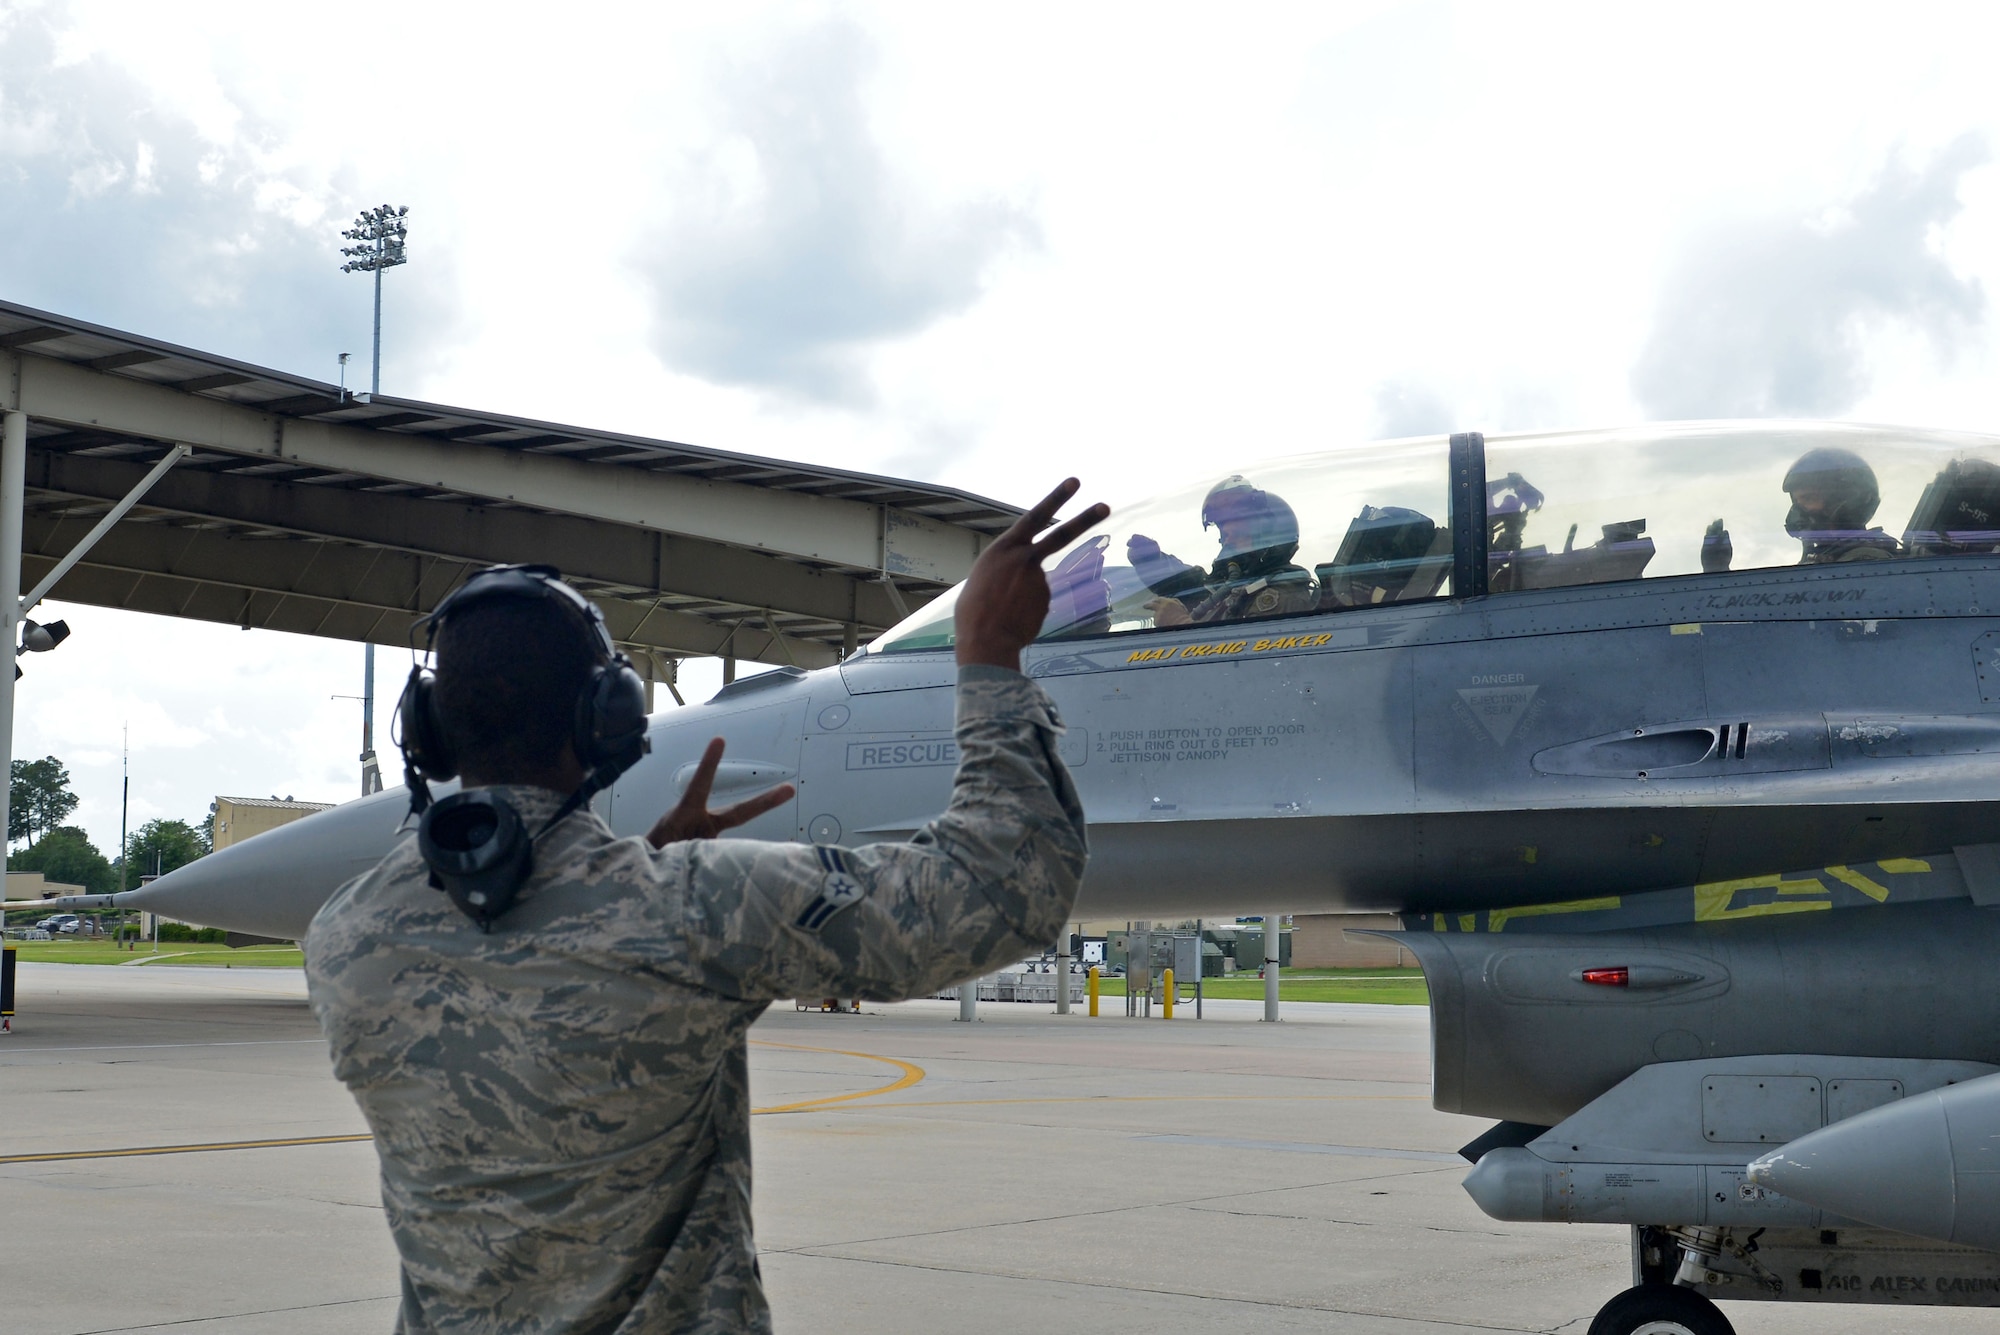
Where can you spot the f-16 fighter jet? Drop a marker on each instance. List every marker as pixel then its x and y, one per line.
pixel 1677 748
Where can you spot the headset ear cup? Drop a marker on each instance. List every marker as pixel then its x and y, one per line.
pixel 425 744
pixel 611 718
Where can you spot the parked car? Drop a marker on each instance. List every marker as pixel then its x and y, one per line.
pixel 66 923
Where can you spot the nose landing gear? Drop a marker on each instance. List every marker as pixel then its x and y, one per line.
pixel 1660 1309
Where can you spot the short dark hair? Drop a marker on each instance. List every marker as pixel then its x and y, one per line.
pixel 509 673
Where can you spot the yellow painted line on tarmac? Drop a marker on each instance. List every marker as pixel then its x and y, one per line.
pixel 181 1149
pixel 1169 1098
pixel 912 1073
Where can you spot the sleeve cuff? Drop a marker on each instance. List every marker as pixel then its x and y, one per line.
pixel 988 692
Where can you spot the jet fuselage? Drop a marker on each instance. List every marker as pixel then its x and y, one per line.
pixel 1413 758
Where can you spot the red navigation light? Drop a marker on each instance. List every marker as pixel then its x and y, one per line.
pixel 1619 977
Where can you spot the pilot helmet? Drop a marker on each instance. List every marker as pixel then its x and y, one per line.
pixel 1845 480
pixel 1273 535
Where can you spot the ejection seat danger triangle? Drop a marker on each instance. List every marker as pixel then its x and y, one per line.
pixel 1498 709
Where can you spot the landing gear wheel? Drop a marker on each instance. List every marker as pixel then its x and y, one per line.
pixel 1660 1309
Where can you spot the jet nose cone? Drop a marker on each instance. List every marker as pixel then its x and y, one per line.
pixel 1927 1165
pixel 272 885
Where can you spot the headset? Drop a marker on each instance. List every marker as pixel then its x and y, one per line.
pixel 477 847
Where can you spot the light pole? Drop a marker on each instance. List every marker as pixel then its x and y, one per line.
pixel 378 236
pixel 371 767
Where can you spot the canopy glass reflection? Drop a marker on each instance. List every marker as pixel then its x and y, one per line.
pixel 1369 526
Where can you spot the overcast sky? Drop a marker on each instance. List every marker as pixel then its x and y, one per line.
pixel 984 247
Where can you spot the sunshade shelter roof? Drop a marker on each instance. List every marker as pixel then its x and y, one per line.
pixel 306 508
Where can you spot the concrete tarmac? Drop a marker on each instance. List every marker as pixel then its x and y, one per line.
pixel 1028 1173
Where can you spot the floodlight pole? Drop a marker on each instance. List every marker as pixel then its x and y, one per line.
pixel 371 767
pixel 378 235
pixel 124 810
pixel 368 700
pixel 375 370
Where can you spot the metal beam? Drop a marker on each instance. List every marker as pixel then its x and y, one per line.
pixel 585 549
pixel 220 380
pixel 791 524
pixel 104 526
pixel 118 361
pixel 338 591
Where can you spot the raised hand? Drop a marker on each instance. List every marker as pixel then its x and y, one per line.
pixel 1716 549
pixel 1006 597
pixel 692 819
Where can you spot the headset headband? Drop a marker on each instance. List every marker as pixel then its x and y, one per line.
pixel 523 581
pixel 478 849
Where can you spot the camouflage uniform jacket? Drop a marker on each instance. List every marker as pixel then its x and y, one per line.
pixel 562 1106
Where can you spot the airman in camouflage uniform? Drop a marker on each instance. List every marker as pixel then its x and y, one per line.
pixel 562 1106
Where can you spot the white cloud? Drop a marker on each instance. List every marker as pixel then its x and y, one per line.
pixel 96 721
pixel 1775 316
pixel 794 249
pixel 1403 408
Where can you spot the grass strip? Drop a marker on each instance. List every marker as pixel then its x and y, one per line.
pixel 183 953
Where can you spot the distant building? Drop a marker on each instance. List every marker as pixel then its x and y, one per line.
pixel 234 819
pixel 31 885
pixel 1320 941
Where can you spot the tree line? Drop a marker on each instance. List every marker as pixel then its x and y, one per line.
pixel 38 803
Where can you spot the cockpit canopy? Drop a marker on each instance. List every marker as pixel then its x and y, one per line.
pixel 1371 525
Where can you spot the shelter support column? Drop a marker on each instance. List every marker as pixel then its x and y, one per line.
pixel 1062 970
pixel 1273 952
pixel 968 1000
pixel 13 495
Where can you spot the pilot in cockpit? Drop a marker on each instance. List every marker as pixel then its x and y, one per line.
pixel 1834 495
pixel 1253 574
pixel 1509 502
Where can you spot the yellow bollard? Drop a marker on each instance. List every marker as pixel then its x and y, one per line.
pixel 1090 986
pixel 1167 994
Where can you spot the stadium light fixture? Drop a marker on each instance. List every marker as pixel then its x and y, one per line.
pixel 378 235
